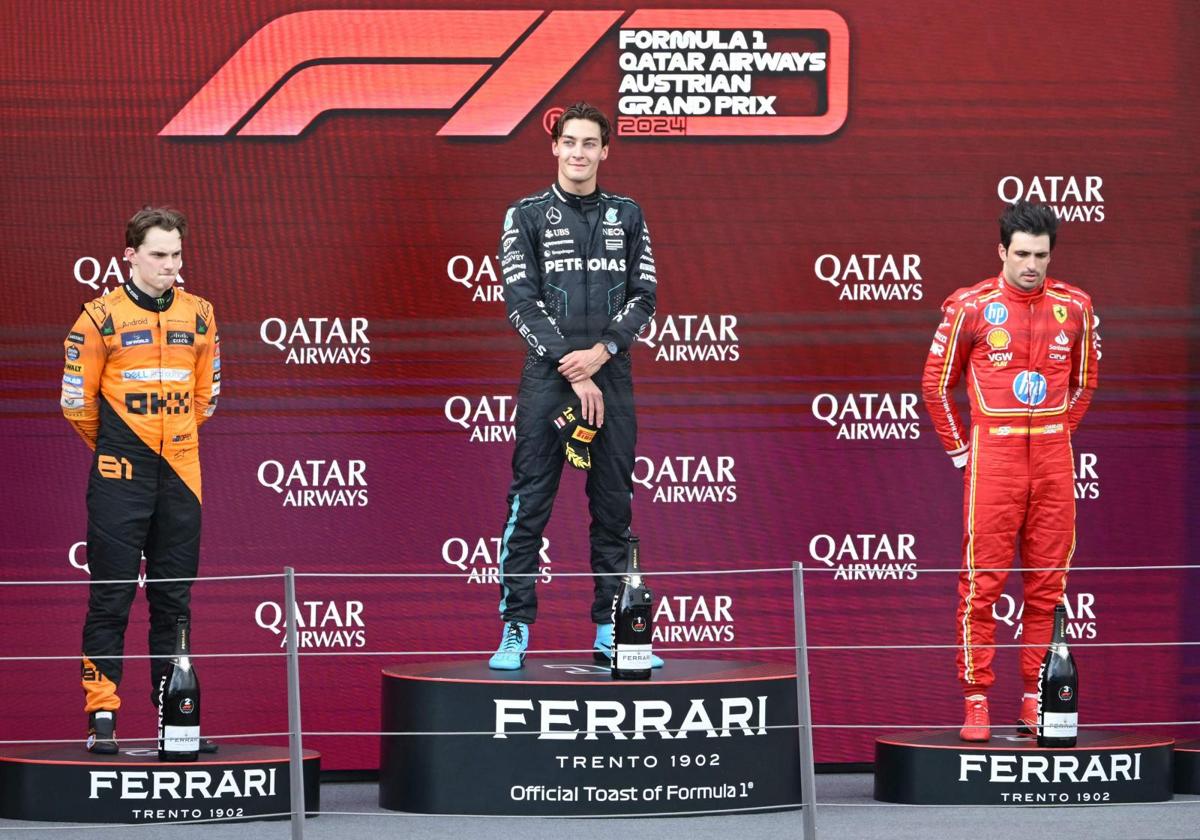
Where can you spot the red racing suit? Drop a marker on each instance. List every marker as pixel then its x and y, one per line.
pixel 1030 360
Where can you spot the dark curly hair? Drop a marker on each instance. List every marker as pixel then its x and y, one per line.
pixel 1034 219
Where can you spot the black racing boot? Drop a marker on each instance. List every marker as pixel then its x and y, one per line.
pixel 102 732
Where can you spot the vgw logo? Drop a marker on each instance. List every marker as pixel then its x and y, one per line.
pixel 692 338
pixel 443 59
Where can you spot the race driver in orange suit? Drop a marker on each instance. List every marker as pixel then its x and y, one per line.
pixel 1028 347
pixel 142 373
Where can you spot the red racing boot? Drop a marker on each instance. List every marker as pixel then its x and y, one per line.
pixel 977 726
pixel 1027 720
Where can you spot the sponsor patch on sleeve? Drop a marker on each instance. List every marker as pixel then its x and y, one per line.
pixel 75 338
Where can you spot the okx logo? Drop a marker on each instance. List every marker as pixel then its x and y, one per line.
pixel 721 69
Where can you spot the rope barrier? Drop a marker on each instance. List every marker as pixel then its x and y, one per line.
pixel 579 651
pixel 605 731
pixel 769 570
pixel 147 581
pixel 677 730
pixel 664 573
pixel 153 740
pixel 76 657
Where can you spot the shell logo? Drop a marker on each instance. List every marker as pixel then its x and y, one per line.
pixel 998 339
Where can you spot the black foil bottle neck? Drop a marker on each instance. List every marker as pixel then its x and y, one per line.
pixel 633 563
pixel 183 640
pixel 1059 638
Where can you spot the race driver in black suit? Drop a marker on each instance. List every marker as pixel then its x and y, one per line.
pixel 579 283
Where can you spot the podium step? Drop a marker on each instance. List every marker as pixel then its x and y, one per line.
pixel 936 768
pixel 65 783
pixel 563 738
pixel 1187 766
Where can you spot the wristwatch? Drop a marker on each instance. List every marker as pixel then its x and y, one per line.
pixel 611 347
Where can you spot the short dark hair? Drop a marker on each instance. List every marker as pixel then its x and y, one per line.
pixel 583 111
pixel 149 217
pixel 1025 217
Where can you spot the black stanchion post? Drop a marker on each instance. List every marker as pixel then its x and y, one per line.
pixel 808 783
pixel 296 765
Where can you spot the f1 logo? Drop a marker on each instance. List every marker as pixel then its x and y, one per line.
pixel 273 85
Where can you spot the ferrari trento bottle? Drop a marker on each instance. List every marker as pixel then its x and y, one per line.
pixel 179 703
pixel 632 620
pixel 1058 690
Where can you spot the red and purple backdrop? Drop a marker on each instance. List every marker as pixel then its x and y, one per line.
pixel 816 181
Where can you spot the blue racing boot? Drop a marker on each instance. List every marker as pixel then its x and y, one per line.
pixel 510 656
pixel 602 649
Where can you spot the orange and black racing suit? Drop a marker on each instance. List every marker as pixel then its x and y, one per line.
pixel 140 376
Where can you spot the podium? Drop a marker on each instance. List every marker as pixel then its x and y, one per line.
pixel 937 768
pixel 1187 766
pixel 562 738
pixel 65 783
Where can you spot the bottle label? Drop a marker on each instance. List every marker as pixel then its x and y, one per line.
pixel 181 738
pixel 633 657
pixel 1060 724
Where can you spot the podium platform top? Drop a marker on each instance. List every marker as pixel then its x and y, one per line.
pixel 1006 740
pixel 539 671
pixel 1190 745
pixel 143 755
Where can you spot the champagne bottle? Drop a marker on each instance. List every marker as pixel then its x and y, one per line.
pixel 1058 690
pixel 179 702
pixel 633 620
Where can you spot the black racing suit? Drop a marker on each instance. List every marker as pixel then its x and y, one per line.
pixel 577 271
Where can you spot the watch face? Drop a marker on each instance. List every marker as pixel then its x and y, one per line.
pixel 611 347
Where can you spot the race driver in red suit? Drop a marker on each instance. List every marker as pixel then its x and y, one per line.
pixel 1028 348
